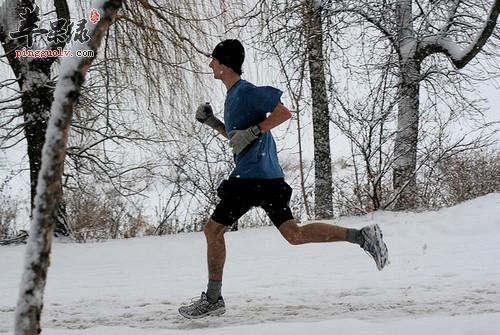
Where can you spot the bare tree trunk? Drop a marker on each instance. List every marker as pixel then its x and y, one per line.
pixel 37 259
pixel 36 102
pixel 405 145
pixel 406 142
pixel 33 78
pixel 35 126
pixel 323 197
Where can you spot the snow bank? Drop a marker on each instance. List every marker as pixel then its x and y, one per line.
pixel 443 276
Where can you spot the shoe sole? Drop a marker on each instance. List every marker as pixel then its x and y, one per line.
pixel 381 246
pixel 217 312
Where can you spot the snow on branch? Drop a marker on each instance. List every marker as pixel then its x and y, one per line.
pixel 458 55
pixel 37 258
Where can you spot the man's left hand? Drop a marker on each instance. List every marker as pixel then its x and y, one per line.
pixel 239 140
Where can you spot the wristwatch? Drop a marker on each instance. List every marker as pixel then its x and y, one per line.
pixel 256 131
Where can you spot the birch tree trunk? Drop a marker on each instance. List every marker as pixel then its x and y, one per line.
pixel 323 198
pixel 406 142
pixel 37 259
pixel 405 145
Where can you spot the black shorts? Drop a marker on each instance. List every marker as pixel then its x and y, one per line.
pixel 237 196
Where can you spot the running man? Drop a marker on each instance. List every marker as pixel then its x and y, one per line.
pixel 250 112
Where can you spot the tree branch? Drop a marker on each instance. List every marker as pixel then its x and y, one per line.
pixel 460 57
pixel 376 23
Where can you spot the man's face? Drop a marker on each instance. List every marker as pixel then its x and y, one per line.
pixel 216 68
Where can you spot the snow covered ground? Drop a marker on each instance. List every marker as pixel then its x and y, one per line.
pixel 444 276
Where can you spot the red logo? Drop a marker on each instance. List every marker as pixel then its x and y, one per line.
pixel 94 16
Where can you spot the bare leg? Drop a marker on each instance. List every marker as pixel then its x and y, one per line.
pixel 211 302
pixel 216 249
pixel 313 232
pixel 370 239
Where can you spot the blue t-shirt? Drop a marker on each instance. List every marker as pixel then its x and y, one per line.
pixel 247 105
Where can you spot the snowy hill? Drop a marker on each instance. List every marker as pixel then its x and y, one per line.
pixel 444 276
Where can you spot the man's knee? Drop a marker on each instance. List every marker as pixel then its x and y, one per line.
pixel 213 229
pixel 292 232
pixel 294 239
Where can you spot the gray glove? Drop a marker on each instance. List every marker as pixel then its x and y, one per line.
pixel 239 140
pixel 205 114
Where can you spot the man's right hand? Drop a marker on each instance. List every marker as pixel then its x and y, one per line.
pixel 205 114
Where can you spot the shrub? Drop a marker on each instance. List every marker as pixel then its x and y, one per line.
pixel 462 177
pixel 8 215
pixel 96 215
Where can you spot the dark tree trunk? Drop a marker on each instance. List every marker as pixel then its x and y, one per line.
pixel 36 115
pixel 33 77
pixel 36 102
